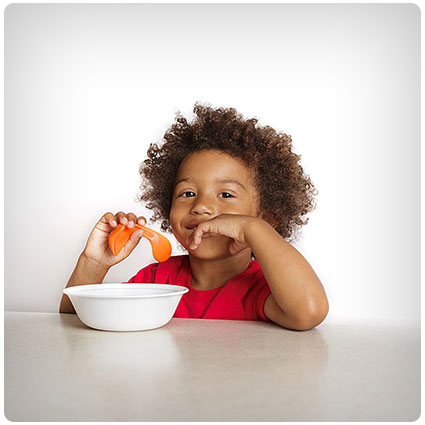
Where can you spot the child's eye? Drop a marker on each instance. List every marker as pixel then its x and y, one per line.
pixel 226 195
pixel 185 193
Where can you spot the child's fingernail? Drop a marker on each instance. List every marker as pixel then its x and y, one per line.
pixel 114 223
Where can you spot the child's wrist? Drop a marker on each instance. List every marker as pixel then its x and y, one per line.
pixel 92 265
pixel 254 228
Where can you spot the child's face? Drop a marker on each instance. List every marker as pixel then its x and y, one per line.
pixel 210 183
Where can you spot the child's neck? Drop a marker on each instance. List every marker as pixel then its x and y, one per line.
pixel 214 274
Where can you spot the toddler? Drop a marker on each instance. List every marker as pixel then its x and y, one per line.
pixel 234 195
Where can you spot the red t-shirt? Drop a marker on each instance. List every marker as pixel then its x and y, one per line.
pixel 241 298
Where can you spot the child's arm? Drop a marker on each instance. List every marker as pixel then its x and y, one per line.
pixel 97 258
pixel 298 300
pixel 86 272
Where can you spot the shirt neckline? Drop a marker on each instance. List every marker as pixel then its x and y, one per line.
pixel 252 264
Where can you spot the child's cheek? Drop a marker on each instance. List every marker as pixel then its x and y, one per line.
pixel 174 225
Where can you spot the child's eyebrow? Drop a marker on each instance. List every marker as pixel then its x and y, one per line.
pixel 216 181
pixel 232 181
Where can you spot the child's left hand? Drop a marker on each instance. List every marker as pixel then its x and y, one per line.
pixel 234 226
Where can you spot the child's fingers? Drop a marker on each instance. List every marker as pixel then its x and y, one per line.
pixel 141 220
pixel 196 236
pixel 135 237
pixel 121 217
pixel 204 229
pixel 128 220
pixel 132 220
pixel 110 219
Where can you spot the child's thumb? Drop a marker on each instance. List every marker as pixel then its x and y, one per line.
pixel 135 237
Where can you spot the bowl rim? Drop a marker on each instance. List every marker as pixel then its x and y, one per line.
pixel 79 290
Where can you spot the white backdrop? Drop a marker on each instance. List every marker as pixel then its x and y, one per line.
pixel 89 86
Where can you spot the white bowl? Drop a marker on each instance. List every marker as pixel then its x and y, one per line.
pixel 125 306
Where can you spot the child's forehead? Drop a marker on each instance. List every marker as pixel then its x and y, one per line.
pixel 214 165
pixel 211 159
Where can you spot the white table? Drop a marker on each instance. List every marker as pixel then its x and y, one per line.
pixel 57 369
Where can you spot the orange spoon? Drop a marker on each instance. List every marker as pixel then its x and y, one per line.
pixel 161 247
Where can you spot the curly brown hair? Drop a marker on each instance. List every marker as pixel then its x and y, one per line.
pixel 286 193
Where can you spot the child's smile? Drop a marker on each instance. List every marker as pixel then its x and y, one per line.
pixel 210 183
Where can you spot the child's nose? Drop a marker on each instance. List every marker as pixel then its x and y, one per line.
pixel 203 205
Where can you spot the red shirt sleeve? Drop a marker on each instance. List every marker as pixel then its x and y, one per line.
pixel 145 275
pixel 255 298
pixel 263 294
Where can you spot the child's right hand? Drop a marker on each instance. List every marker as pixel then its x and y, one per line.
pixel 97 247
